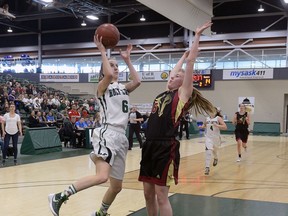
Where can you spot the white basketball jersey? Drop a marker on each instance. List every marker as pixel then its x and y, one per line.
pixel 114 105
pixel 211 130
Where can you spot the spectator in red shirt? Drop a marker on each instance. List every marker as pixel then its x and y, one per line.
pixel 74 113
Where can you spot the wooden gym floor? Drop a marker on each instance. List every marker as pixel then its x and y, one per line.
pixel 258 185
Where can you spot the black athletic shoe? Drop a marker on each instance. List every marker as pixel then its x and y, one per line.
pixel 207 170
pixel 55 202
pixel 99 213
pixel 215 162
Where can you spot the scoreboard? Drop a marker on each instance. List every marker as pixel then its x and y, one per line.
pixel 202 80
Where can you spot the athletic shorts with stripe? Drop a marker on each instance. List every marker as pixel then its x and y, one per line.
pixel 160 162
pixel 111 144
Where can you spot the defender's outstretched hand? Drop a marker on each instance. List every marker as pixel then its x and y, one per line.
pixel 199 30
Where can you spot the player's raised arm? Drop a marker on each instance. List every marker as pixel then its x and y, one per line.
pixel 106 73
pixel 187 86
pixel 135 78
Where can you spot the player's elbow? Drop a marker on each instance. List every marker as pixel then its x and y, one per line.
pixel 137 83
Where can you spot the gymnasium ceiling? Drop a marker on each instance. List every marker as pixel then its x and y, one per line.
pixel 61 23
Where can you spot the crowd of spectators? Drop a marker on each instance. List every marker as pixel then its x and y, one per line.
pixel 39 106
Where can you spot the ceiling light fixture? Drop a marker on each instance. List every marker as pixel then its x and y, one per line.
pixel 83 23
pixel 142 19
pixel 9 30
pixel 286 1
pixel 92 17
pixel 47 1
pixel 261 9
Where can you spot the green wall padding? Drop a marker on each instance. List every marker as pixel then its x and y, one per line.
pixel 40 140
pixel 193 128
pixel 230 128
pixel 266 128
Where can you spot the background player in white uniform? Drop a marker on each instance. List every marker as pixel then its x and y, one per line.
pixel 213 126
pixel 109 141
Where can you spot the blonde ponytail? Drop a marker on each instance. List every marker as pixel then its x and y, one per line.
pixel 200 105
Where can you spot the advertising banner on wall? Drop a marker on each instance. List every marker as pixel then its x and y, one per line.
pixel 239 74
pixel 94 77
pixel 59 77
pixel 154 75
pixel 249 103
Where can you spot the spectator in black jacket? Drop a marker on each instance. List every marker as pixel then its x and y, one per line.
pixel 67 131
pixel 135 118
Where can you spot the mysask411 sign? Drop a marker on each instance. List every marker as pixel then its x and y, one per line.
pixel 247 74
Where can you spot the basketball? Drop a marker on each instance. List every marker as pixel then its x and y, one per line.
pixel 109 33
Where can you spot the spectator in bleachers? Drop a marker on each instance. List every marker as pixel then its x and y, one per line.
pixel 2 101
pixel 59 117
pixel 34 121
pixel 1 89
pixel 8 87
pixel 28 106
pixel 38 97
pixel 40 118
pixel 34 90
pixel 29 90
pixel 50 102
pixel 51 121
pixel 37 105
pixel 74 113
pixel 85 104
pixel 81 124
pixel 55 101
pixel 62 105
pixel 98 120
pixel 44 105
pixel 44 114
pixel 84 112
pixel 90 121
pixel 11 96
pixel 6 107
pixel 18 89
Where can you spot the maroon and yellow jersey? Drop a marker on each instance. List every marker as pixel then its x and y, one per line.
pixel 165 116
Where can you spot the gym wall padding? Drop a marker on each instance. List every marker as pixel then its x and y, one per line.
pixel 40 140
pixel 266 128
pixel 193 128
pixel 230 128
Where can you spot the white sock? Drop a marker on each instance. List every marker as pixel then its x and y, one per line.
pixel 208 157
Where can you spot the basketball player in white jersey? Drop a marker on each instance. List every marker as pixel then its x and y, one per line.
pixel 109 141
pixel 213 126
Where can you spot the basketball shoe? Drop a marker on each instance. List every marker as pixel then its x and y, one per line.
pixel 55 202
pixel 215 162
pixel 207 170
pixel 99 213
